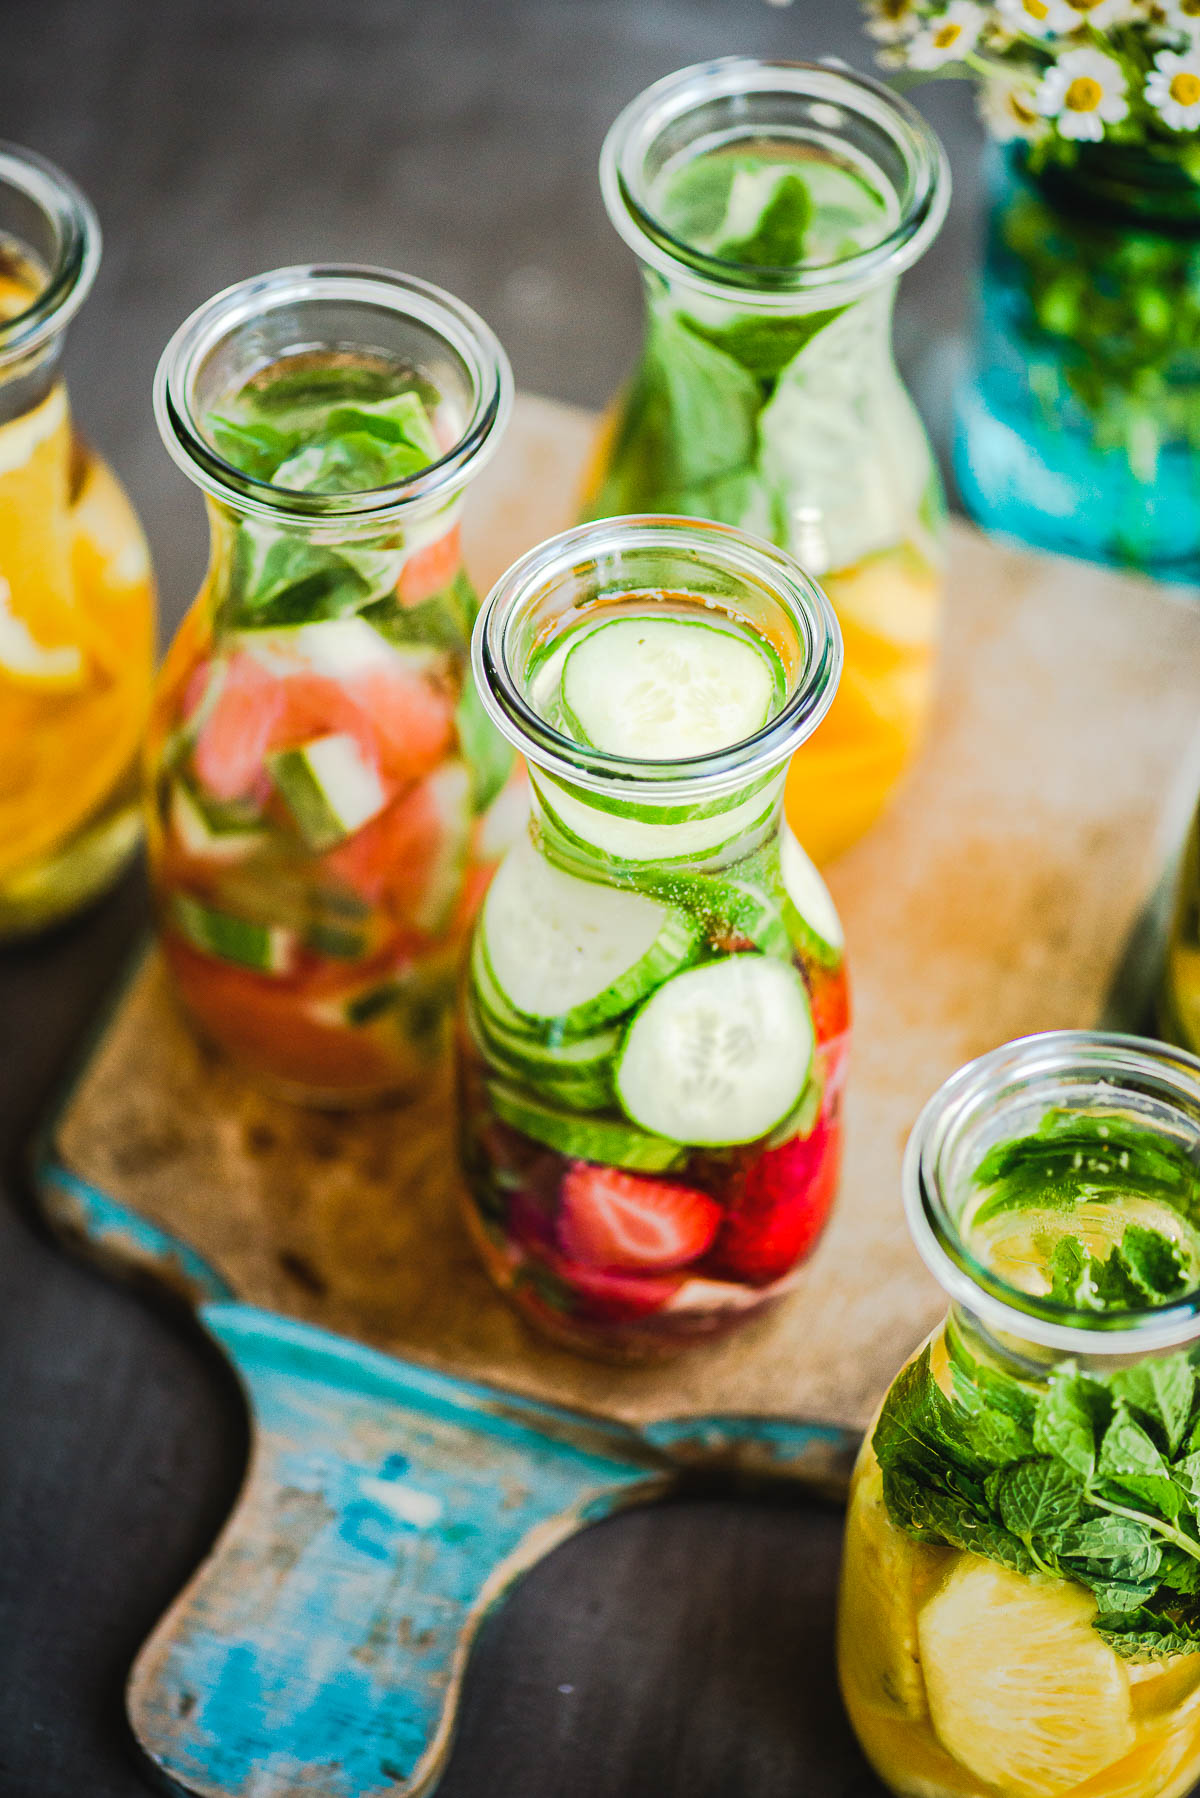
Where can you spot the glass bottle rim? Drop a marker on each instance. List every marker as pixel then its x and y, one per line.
pixel 719 548
pixel 462 329
pixel 842 90
pixel 76 230
pixel 1126 1062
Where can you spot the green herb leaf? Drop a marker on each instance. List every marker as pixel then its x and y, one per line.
pixel 1037 1500
pixel 1161 1391
pixel 1148 1634
pixel 777 240
pixel 1070 1416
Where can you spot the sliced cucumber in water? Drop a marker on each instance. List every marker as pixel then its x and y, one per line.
pixel 639 843
pixel 574 950
pixel 663 689
pixel 586 1087
pixel 266 948
pixel 592 1054
pixel 810 897
pixel 606 1140
pixel 201 839
pixel 721 1053
pixel 330 787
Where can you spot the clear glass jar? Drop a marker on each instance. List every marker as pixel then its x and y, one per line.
pixel 1019 1611
pixel 1078 423
pixel 767 396
pixel 654 1022
pixel 323 780
pixel 1179 999
pixel 76 592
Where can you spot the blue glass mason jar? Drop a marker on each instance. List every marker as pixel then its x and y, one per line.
pixel 1077 424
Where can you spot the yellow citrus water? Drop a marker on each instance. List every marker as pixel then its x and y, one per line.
pixel 76 661
pixel 965 1680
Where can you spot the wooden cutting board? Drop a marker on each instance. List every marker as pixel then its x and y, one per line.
pixel 415 1444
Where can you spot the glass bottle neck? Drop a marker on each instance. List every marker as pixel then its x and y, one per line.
pixel 644 844
pixel 288 570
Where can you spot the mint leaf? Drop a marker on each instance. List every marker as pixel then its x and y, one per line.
pixel 951 1520
pixel 1157 1265
pixel 1161 1391
pixel 777 240
pixel 1070 1271
pixel 1149 1634
pixel 1129 1459
pixel 1069 1159
pixel 712 405
pixel 765 346
pixel 1071 1415
pixel 1037 1500
pixel 254 447
pixel 1113 1286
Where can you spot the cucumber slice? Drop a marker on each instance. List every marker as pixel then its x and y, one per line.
pixel 330 787
pixel 590 1055
pixel 720 1054
pixel 810 897
pixel 662 689
pixel 339 648
pixel 201 840
pixel 575 950
pixel 267 948
pixel 449 789
pixel 581 1088
pixel 584 1138
pixel 638 843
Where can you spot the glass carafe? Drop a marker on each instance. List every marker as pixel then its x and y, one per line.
pixel 76 593
pixel 1020 1606
pixel 772 207
pixel 654 1023
pixel 324 784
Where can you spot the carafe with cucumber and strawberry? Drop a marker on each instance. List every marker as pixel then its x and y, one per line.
pixel 654 1021
pixel 327 795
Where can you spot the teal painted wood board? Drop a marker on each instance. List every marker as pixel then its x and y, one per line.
pixel 415 1447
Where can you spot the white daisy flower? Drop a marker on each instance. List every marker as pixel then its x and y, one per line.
pixel 1180 15
pixel 892 20
pixel 1083 92
pixel 1173 88
pixel 1008 108
pixel 1037 18
pixel 947 36
pixel 1101 14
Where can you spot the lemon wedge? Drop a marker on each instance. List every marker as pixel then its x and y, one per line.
pixel 884 1573
pixel 28 661
pixel 1021 1690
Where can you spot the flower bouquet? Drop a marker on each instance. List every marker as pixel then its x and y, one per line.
pixel 1078 421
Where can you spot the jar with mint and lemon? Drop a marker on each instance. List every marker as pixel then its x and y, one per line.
pixel 1020 1605
pixel 654 1018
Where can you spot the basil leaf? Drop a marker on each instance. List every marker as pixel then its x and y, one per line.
pixel 765 346
pixel 252 446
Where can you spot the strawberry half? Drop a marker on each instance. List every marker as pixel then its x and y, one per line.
pixel 774 1222
pixel 626 1222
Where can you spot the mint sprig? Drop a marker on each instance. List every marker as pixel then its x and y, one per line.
pixel 1094 1479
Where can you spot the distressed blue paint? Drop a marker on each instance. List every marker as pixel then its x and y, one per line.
pixel 76 1205
pixel 786 1445
pixel 387 1506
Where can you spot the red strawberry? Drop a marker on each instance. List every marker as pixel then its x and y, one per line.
pixel 829 996
pixel 610 1219
pixel 775 1220
pixel 608 1297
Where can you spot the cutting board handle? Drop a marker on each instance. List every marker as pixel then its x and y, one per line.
pixel 321 1646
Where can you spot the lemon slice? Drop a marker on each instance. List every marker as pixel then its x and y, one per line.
pixel 26 660
pixel 884 1573
pixel 1021 1690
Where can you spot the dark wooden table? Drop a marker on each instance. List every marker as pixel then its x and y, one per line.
pixel 681 1650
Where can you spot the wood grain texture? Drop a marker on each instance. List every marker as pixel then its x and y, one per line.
pixel 996 898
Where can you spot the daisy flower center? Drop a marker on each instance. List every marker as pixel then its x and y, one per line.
pixel 947 35
pixel 1084 94
pixel 1084 6
pixel 1185 88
